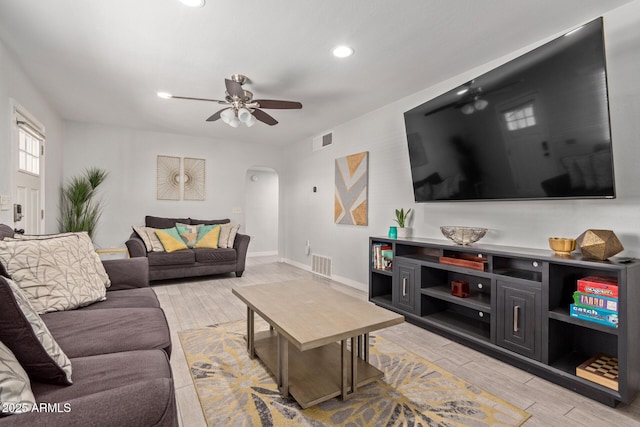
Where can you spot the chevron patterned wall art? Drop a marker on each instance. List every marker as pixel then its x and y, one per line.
pixel 352 178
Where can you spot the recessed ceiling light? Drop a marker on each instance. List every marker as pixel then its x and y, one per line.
pixel 342 51
pixel 165 95
pixel 193 3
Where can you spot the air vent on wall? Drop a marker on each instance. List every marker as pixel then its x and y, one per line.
pixel 321 265
pixel 323 141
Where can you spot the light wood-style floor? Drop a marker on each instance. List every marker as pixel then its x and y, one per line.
pixel 196 303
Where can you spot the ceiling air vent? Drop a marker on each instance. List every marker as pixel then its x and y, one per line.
pixel 320 142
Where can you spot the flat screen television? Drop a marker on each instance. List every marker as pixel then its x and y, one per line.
pixel 536 127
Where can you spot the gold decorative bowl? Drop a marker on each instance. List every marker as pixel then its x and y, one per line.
pixel 562 245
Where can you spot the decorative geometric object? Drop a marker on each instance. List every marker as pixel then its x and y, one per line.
pixel 599 244
pixel 193 178
pixel 168 178
pixel 352 176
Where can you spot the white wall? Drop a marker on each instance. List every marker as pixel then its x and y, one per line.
pixel 16 88
pixel 130 189
pixel 262 210
pixel 309 216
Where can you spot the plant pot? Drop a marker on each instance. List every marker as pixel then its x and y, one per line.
pixel 404 232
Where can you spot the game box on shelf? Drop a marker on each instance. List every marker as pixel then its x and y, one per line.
pixel 599 285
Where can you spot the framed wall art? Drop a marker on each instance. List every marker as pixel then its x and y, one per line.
pixel 351 193
pixel 168 179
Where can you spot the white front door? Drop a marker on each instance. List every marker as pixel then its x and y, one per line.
pixel 27 209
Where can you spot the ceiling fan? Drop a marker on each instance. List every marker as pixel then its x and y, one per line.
pixel 243 108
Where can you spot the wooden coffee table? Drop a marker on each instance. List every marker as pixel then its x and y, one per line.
pixel 306 347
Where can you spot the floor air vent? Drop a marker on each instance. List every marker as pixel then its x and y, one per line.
pixel 321 265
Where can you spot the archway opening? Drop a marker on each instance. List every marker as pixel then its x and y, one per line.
pixel 262 210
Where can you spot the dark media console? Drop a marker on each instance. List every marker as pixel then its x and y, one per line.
pixel 517 308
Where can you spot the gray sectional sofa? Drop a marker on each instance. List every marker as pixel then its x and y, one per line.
pixel 189 262
pixel 119 350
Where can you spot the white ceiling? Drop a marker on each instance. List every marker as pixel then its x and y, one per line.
pixel 102 61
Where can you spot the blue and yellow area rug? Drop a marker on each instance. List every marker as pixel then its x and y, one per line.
pixel 237 391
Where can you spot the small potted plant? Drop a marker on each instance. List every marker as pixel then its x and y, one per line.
pixel 402 218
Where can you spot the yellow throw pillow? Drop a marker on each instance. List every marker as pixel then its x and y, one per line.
pixel 171 240
pixel 208 238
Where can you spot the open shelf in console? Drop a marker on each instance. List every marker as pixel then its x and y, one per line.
pixel 436 284
pixel 563 282
pixel 460 320
pixel 476 301
pixel 418 253
pixel 570 345
pixel 518 268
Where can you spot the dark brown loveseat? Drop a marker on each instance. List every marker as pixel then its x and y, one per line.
pixel 119 350
pixel 190 262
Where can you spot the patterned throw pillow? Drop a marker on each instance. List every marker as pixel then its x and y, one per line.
pixel 232 235
pixel 228 235
pixel 149 238
pixel 208 236
pixel 190 239
pixel 56 273
pixel 171 240
pixel 94 263
pixel 187 228
pixel 25 334
pixel 15 389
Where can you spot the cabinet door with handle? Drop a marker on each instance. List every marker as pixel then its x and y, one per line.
pixel 519 322
pixel 404 286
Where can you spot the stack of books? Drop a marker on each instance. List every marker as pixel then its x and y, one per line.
pixel 382 256
pixel 596 300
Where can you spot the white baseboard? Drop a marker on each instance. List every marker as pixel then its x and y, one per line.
pixel 265 253
pixel 345 281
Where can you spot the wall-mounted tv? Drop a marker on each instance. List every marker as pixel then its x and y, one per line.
pixel 536 127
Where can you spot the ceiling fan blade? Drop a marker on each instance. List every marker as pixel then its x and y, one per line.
pixel 274 103
pixel 199 99
pixel 234 88
pixel 264 117
pixel 216 116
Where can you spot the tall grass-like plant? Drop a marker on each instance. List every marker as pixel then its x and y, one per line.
pixel 79 209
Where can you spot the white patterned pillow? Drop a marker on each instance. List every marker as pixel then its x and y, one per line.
pixel 15 389
pixel 91 262
pixel 46 350
pixel 54 272
pixel 149 238
pixel 232 235
pixel 227 235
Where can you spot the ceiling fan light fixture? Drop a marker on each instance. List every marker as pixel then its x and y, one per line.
pixel 244 115
pixel 227 115
pixel 252 121
pixel 467 109
pixel 342 51
pixel 235 122
pixel 165 95
pixel 193 3
pixel 480 104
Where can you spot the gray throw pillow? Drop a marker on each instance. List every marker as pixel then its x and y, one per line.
pixel 25 334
